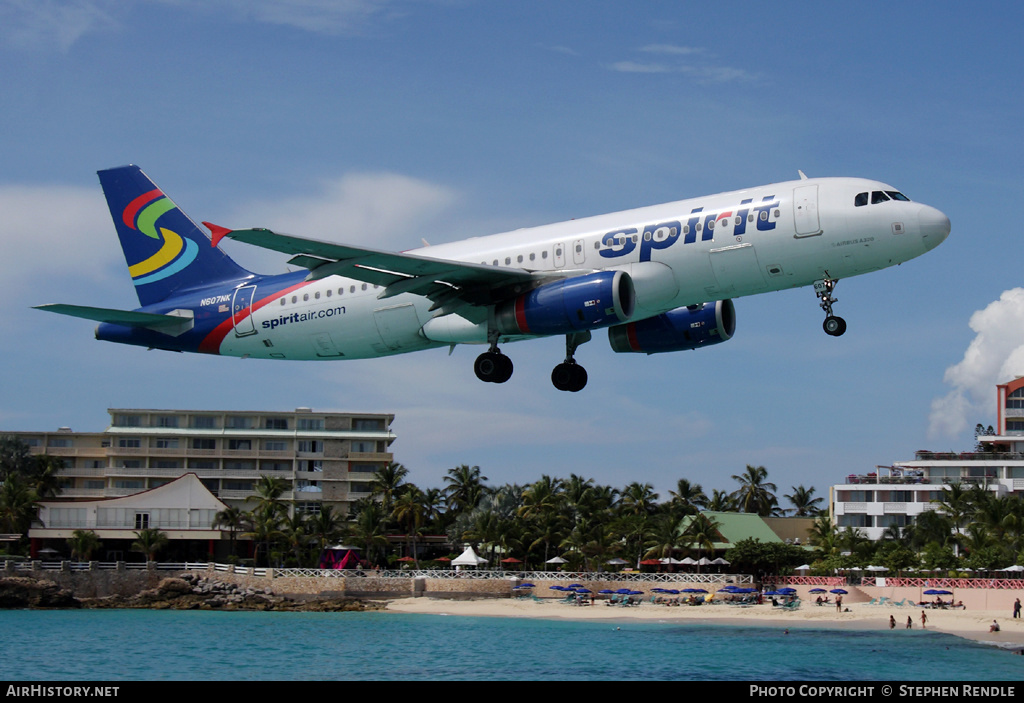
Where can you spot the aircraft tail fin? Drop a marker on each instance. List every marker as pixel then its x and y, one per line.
pixel 165 251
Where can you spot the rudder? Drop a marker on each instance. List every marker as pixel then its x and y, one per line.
pixel 165 251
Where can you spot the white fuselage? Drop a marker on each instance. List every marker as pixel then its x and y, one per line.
pixel 687 252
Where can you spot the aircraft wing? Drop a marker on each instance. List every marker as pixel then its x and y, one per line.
pixel 449 284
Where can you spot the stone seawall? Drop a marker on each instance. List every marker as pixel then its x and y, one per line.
pixel 94 583
pixel 102 583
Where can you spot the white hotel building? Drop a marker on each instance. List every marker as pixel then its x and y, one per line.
pixel 895 495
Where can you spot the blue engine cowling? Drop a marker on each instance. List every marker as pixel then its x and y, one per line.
pixel 676 330
pixel 570 305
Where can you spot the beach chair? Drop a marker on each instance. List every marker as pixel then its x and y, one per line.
pixel 794 605
pixel 900 603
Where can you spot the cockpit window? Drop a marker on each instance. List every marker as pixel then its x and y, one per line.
pixel 896 195
pixel 861 199
pixel 878 197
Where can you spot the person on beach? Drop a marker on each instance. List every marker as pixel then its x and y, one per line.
pixel 1016 608
pixel 924 620
pixel 994 627
pixel 910 623
pixel 892 622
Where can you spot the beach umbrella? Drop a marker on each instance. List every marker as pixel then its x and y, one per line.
pixel 556 560
pixel 616 562
pixel 817 590
pixel 839 591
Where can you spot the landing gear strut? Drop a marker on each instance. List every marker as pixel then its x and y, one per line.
pixel 834 326
pixel 570 376
pixel 492 366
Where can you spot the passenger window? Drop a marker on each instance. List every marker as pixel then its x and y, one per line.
pixel 860 200
pixel 878 196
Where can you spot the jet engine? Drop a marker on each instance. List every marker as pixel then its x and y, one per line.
pixel 676 330
pixel 570 305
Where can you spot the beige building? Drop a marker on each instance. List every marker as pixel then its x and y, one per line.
pixel 327 458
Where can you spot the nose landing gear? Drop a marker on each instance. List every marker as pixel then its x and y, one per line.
pixel 833 325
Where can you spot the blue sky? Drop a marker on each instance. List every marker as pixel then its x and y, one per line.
pixel 386 122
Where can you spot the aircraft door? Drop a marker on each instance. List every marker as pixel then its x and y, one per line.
pixel 579 254
pixel 241 307
pixel 805 211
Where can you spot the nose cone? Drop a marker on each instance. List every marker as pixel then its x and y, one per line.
pixel 933 225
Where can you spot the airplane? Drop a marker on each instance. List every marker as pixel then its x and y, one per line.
pixel 659 278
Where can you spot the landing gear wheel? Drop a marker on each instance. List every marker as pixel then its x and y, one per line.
pixel 493 367
pixel 569 376
pixel 834 326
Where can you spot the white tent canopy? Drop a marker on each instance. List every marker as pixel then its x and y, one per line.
pixel 468 558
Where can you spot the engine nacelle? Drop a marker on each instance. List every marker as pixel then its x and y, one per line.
pixel 570 305
pixel 676 330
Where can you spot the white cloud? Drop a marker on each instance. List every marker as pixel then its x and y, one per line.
pixel 378 210
pixel 57 230
pixel 32 24
pixel 702 74
pixel 995 355
pixel 671 49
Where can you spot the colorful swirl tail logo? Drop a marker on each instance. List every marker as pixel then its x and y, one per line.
pixel 174 255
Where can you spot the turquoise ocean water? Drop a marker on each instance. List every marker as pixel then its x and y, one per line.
pixel 125 645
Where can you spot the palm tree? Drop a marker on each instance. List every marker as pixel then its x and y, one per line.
pixel 325 526
pixel 368 529
pixel 83 543
pixel 755 494
pixel 409 512
pixel 264 528
pixel 721 502
pixel 387 482
pixel 688 498
pixel 234 520
pixel 149 541
pixel 465 487
pixel 700 531
pixel 803 503
pixel 824 535
pixel 638 499
pixel 19 505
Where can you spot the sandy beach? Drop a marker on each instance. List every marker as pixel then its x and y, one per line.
pixel 972 625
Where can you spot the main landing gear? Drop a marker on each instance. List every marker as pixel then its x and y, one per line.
pixel 494 367
pixel 834 326
pixel 570 376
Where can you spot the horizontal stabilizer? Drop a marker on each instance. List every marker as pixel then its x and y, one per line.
pixel 168 324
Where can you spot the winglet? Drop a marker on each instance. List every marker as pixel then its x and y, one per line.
pixel 218 232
